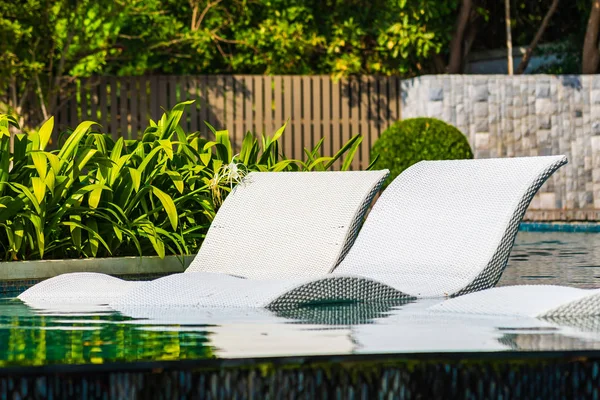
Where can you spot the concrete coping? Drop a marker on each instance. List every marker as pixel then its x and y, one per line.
pixel 42 269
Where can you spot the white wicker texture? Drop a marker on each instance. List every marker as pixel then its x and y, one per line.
pixel 439 229
pixel 547 301
pixel 274 224
pixel 77 288
pixel 444 228
pixel 282 225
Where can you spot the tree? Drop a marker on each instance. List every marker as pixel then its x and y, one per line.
pixel 47 44
pixel 457 45
pixel 508 37
pixel 591 54
pixel 540 32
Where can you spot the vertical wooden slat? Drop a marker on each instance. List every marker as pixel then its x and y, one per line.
pixel 326 113
pixel 373 110
pixel 154 96
pixel 133 107
pixel 364 120
pixel 93 99
pixel 192 91
pixel 239 90
pixel 345 111
pixel 102 93
pixel 163 96
pixel 278 119
pixel 259 121
pixel 354 121
pixel 393 101
pixel 229 110
pixel 297 117
pixel 335 119
pixel 307 140
pixel 83 99
pixel 317 109
pixel 220 102
pixel 268 104
pixel 144 115
pixel 211 100
pixel 114 110
pixel 123 110
pixel 202 85
pixel 248 103
pixel 73 108
pixel 288 140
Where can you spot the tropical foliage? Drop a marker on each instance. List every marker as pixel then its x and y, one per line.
pixel 98 197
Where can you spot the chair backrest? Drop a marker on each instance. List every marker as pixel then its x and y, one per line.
pixel 277 225
pixel 444 228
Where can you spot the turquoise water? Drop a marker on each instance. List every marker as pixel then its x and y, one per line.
pixel 99 335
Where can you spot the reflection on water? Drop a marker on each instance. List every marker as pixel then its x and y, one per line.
pixel 554 258
pixel 99 335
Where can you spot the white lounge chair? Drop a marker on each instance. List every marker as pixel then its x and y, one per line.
pixel 441 229
pixel 540 301
pixel 277 225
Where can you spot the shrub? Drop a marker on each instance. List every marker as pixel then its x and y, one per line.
pixel 98 197
pixel 412 140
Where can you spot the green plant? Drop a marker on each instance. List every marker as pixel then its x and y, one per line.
pixel 99 197
pixel 412 140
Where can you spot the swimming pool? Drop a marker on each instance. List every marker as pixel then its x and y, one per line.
pixel 58 338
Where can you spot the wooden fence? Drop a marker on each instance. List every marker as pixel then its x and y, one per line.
pixel 316 107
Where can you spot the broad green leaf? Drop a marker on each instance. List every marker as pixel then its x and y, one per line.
pixel 39 188
pixel 222 137
pixel 75 231
pixel 117 150
pixel 90 231
pixel 94 198
pixel 54 162
pixel 350 155
pixel 279 131
pixel 136 178
pixel 50 181
pixel 177 180
pixel 168 205
pixel 93 235
pixel 27 193
pixel 72 142
pixel 41 165
pixel 20 147
pixel 36 221
pixel 167 147
pixel 45 133
pixel 18 234
pixel 205 158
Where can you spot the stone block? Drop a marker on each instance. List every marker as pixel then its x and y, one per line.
pixel 481 125
pixel 434 109
pixel 544 122
pixel 547 201
pixel 544 106
pixel 480 93
pixel 482 141
pixel 480 110
pixel 542 91
pixel 436 94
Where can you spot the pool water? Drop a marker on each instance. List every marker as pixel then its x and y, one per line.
pixel 99 335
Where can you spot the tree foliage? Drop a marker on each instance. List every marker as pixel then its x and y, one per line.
pixel 46 44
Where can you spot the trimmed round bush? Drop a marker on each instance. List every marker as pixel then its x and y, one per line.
pixel 412 140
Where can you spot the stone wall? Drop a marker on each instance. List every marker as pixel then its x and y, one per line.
pixel 526 115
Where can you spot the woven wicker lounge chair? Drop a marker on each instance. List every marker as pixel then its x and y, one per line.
pixel 277 225
pixel 441 229
pixel 540 301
